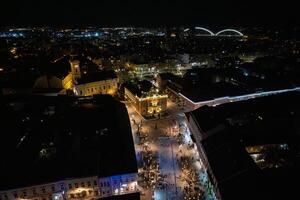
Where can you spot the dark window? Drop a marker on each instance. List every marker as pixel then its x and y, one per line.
pixel 34 191
pixel 70 186
pixel 76 185
pixel 107 184
pixel 15 195
pixel 89 183
pixel 82 184
pixel 52 188
pixel 43 190
pixel 24 193
pixel 101 184
pixel 104 87
pixel 95 182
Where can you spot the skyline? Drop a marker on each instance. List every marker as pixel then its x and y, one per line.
pixel 150 13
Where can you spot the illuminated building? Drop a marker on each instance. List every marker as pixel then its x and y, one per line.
pixel 90 80
pixel 72 152
pixel 52 85
pixel 103 82
pixel 146 98
pixel 250 149
pixel 75 69
pixel 77 188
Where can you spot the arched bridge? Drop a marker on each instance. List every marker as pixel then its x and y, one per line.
pixel 225 32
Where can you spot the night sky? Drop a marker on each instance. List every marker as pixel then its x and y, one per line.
pixel 148 12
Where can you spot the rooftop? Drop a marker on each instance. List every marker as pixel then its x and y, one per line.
pixel 97 76
pixel 253 146
pixel 203 84
pixel 141 88
pixel 55 138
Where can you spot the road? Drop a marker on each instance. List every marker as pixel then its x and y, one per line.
pixel 169 169
pixel 170 140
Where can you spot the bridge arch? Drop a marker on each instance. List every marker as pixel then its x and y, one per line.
pixel 205 29
pixel 229 30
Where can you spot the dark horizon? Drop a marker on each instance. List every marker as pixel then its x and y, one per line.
pixel 151 13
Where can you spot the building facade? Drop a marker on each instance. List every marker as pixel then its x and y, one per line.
pixel 88 83
pixel 151 103
pixel 86 188
pixel 109 86
pixel 199 135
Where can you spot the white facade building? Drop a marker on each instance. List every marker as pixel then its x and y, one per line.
pixel 86 188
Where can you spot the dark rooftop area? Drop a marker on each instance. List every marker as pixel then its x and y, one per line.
pixel 97 76
pixel 265 74
pixel 139 88
pixel 269 126
pixel 133 196
pixel 55 138
pixel 24 73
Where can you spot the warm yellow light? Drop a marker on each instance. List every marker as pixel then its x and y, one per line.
pixel 111 91
pixel 13 50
